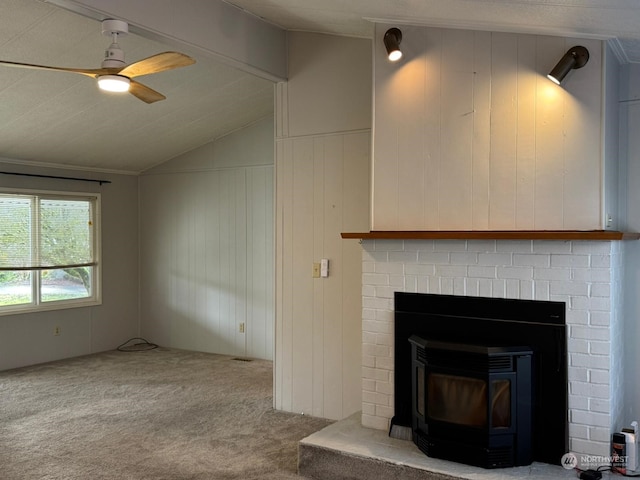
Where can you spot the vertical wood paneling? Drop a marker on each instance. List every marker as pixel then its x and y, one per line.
pixel 525 134
pixel 487 142
pixel 503 131
pixel 481 130
pixel 194 254
pixel 323 185
pixel 456 129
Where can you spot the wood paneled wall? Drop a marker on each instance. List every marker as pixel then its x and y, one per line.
pixel 323 120
pixel 469 134
pixel 207 249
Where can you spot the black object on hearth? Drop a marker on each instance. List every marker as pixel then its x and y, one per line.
pixel 480 321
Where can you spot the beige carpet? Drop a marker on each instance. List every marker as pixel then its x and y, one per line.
pixel 162 414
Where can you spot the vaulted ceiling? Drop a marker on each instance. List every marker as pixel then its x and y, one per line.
pixel 62 119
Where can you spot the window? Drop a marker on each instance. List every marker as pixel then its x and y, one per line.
pixel 49 250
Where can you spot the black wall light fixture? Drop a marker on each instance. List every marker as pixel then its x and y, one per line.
pixel 392 39
pixel 576 57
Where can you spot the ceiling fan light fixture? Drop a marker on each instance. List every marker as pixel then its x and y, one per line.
pixel 114 83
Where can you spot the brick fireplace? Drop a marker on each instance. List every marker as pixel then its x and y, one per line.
pixel 586 275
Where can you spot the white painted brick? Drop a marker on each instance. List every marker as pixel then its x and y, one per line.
pixel 600 434
pixel 600 319
pixel 551 274
pixel 384 412
pixel 569 261
pixel 600 275
pixel 599 348
pixel 519 273
pixel 386 291
pixel 410 283
pixel 581 274
pixel 433 258
pixel 384 387
pixel 600 303
pixel 460 258
pixel 541 290
pixel 579 431
pixel 385 363
pixel 377 303
pixel 472 287
pixel 599 247
pixel 515 246
pixel 578 374
pixel 423 285
pixel 588 447
pixel 377 423
pixel 599 376
pixel 484 246
pixel 396 281
pixel 368 385
pixel 450 246
pixel 418 245
pixel 419 269
pixel 578 402
pixel 485 288
pixel 526 289
pixel 368 409
pixel 589 333
pixel 499 288
pixel 577 317
pixel 368 361
pixel 495 259
pixel 578 346
pixel 377 326
pixel 451 271
pixel 531 260
pixel 561 298
pixel 384 339
pixel 589 390
pixel 547 246
pixel 397 268
pixel 446 286
pixel 385 316
pixel 375 279
pixel 600 290
pixel 589 361
pixel 389 245
pixel 376 350
pixel 375 398
pixel 368 337
pixel 368 267
pixel 373 256
pixel 513 288
pixel 459 286
pixel 482 272
pixel 600 261
pixel 375 373
pixel 401 257
pixel 590 418
pixel 569 288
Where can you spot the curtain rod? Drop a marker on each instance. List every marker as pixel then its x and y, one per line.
pixel 56 177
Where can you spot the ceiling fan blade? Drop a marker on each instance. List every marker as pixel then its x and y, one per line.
pixel 157 63
pixel 144 93
pixel 90 72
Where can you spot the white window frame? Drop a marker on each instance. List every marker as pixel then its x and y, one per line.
pixel 96 286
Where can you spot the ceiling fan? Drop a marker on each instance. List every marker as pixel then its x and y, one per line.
pixel 115 75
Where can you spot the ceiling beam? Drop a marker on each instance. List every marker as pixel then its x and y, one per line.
pixel 210 27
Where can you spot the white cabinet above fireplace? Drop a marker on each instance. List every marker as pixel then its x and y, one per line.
pixel 469 134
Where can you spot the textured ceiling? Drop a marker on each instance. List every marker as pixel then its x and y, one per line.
pixel 62 119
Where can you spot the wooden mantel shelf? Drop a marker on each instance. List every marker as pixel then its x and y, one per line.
pixel 495 235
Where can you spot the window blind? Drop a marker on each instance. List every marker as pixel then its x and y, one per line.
pixel 45 232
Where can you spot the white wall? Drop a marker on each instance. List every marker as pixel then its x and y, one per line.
pixel 323 118
pixel 630 201
pixel 27 339
pixel 206 247
pixel 469 134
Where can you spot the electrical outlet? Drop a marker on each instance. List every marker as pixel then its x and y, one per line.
pixel 242 327
pixel 316 270
pixel 56 331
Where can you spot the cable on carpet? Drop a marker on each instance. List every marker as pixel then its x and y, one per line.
pixel 142 346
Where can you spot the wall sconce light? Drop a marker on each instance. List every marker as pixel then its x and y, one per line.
pixel 392 39
pixel 576 57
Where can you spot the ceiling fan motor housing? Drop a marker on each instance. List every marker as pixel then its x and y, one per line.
pixel 113 55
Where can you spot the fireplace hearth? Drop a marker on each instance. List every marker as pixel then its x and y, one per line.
pixel 519 410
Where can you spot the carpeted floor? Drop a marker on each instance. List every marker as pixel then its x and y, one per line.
pixel 162 414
